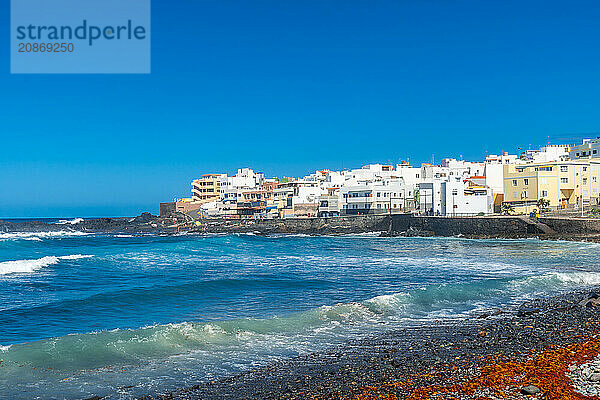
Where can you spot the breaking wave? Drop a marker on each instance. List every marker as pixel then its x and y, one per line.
pixel 29 266
pixel 39 236
pixel 131 346
pixel 69 221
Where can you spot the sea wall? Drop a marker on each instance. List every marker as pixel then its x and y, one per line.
pixel 572 226
pixel 394 224
pixel 468 226
pixel 334 225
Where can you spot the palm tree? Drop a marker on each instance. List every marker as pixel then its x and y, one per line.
pixel 543 204
pixel 507 208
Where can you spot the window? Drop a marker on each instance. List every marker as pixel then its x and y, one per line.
pixel 524 194
pixel 378 194
pixel 565 168
pixel 593 179
pixel 564 180
pixel 595 151
pixel 417 176
pixel 526 181
pixel 576 154
pixel 378 205
pixel 454 192
pixel 544 193
pixel 585 181
pixel 584 169
pixel 514 195
pixel 514 182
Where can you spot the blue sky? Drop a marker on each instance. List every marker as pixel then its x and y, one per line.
pixel 287 87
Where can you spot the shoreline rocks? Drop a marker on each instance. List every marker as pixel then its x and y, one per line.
pixel 398 362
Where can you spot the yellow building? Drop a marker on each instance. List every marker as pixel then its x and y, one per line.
pixel 207 188
pixel 563 183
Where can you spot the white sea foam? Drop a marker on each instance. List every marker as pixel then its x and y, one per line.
pixel 75 257
pixel 29 266
pixel 560 279
pixel 69 221
pixel 388 303
pixel 26 266
pixel 38 236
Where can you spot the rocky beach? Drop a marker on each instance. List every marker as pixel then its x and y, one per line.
pixel 547 347
pixel 543 349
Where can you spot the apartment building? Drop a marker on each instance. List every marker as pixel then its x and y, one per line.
pixel 589 149
pixel 207 188
pixel 330 203
pixel 379 196
pixel 565 184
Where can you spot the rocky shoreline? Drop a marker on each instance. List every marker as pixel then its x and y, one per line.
pixel 523 353
pixel 545 348
pixel 397 225
pixel 402 225
pixel 145 223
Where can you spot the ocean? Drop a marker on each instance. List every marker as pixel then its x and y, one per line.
pixel 124 316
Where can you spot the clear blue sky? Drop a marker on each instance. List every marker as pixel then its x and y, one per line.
pixel 287 87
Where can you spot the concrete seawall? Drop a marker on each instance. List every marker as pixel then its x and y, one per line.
pixel 468 226
pixel 572 225
pixel 488 226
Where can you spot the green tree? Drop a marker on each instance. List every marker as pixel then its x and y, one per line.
pixel 543 205
pixel 507 209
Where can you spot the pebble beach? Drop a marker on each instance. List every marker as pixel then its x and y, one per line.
pixel 546 348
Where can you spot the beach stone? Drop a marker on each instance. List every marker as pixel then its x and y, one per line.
pixel 595 377
pixel 530 390
pixel 592 300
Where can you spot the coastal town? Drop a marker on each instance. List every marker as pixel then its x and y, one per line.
pixel 553 178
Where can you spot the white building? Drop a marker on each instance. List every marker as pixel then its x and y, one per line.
pixel 430 196
pixel 494 170
pixel 297 194
pixel 377 196
pixel 410 175
pixel 549 153
pixel 590 148
pixel 466 197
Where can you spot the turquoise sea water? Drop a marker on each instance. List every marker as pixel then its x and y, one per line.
pixel 123 316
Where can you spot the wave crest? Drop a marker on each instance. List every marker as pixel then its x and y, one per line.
pixel 29 266
pixel 39 236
